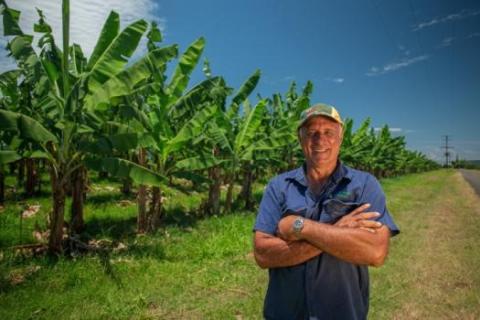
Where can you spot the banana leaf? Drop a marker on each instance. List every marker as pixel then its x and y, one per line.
pixel 107 35
pixel 26 127
pixel 124 83
pixel 186 65
pixel 7 156
pixel 115 56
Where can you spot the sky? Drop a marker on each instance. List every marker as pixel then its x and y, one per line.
pixel 413 64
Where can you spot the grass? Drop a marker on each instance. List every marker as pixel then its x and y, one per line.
pixel 432 271
pixel 202 268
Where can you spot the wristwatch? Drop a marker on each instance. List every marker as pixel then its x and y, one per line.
pixel 298 225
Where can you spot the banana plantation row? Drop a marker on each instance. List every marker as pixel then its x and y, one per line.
pixel 134 121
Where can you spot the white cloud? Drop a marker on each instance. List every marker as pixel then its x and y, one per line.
pixel 336 80
pixel 393 66
pixel 396 130
pixel 451 17
pixel 473 35
pixel 447 42
pixel 86 19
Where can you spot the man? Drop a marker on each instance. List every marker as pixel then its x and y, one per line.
pixel 319 227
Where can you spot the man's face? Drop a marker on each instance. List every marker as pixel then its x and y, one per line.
pixel 320 139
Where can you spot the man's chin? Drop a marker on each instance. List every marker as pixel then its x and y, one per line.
pixel 321 161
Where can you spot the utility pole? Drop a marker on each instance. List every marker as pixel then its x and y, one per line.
pixel 447 148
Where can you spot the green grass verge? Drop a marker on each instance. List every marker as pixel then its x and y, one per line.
pixel 203 268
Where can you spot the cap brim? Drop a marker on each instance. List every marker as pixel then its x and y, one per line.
pixel 318 114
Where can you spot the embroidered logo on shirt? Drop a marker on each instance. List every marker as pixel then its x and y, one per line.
pixel 343 195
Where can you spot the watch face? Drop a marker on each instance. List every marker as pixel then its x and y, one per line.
pixel 298 225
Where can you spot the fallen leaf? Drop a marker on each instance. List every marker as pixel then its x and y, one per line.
pixel 30 211
pixel 40 236
pixel 120 247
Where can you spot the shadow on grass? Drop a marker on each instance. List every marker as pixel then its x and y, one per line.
pixel 177 216
pixel 120 228
pixel 107 198
pixel 187 188
pixel 110 228
pixel 20 195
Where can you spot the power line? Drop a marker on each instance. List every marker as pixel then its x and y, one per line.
pixel 447 153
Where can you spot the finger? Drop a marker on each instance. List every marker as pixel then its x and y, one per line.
pixel 367 215
pixel 370 224
pixel 368 229
pixel 360 209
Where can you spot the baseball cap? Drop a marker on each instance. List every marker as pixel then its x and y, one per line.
pixel 319 109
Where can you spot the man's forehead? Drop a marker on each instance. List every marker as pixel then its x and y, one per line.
pixel 320 121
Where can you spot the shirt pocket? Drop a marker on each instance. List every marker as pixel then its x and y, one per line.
pixel 334 209
pixel 294 207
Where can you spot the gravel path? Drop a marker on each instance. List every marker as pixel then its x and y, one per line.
pixel 473 177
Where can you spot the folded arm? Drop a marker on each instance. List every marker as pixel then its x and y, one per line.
pixel 353 245
pixel 273 252
pixel 354 238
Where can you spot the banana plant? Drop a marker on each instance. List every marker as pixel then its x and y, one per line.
pixel 65 92
pixel 176 119
pixel 244 145
pixel 284 113
pixel 165 119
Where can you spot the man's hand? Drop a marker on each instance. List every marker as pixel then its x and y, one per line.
pixel 360 219
pixel 355 219
pixel 285 228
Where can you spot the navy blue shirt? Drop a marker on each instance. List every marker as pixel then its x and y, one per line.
pixel 324 287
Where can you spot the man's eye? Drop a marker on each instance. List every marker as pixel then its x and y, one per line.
pixel 329 134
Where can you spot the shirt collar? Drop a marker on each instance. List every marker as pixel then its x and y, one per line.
pixel 341 171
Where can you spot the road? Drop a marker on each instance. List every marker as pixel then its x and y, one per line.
pixel 473 177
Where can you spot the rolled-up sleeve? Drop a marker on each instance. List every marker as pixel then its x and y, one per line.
pixel 373 194
pixel 269 212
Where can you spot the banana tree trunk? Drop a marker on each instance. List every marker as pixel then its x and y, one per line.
pixel 246 193
pixel 213 202
pixel 77 224
pixel 31 180
pixel 40 168
pixel 155 212
pixel 2 186
pixel 142 222
pixel 229 198
pixel 21 172
pixel 57 216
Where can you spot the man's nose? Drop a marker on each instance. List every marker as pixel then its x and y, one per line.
pixel 317 137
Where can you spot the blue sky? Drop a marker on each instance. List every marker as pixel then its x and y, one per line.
pixel 411 64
